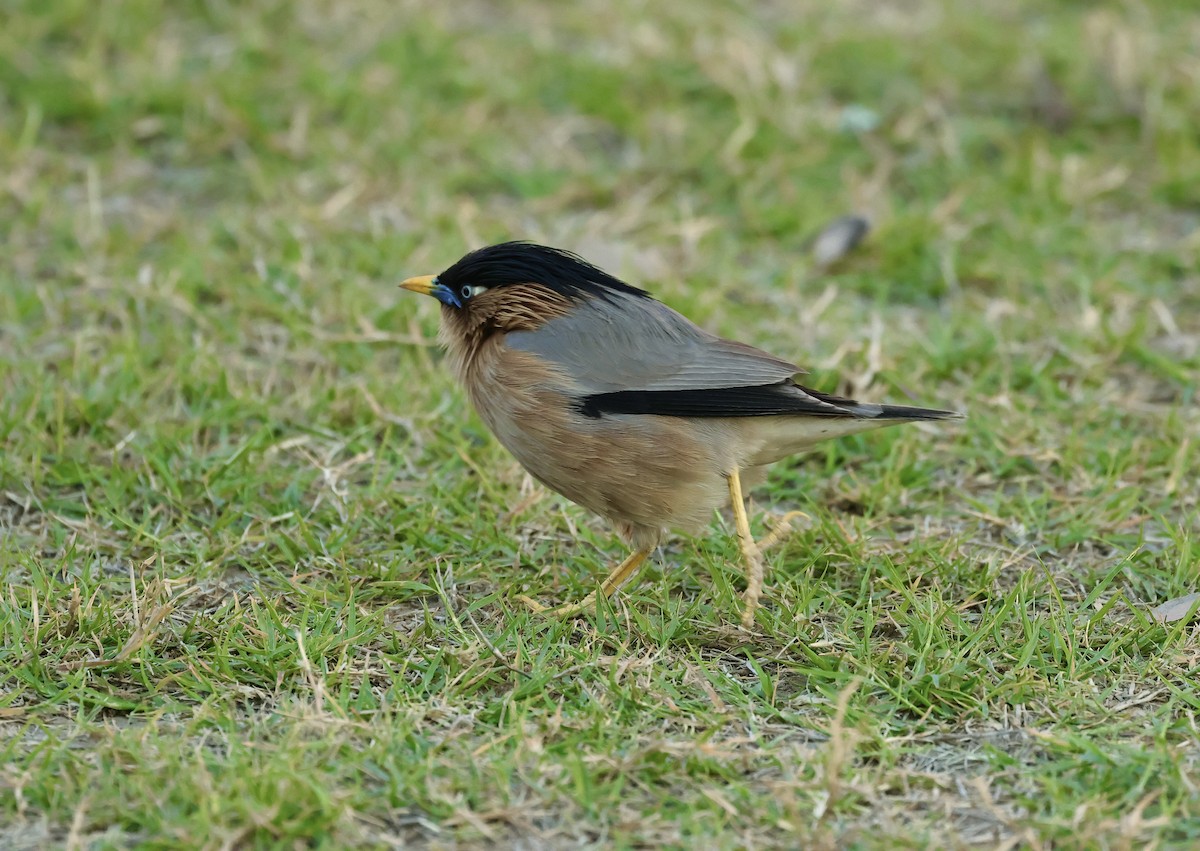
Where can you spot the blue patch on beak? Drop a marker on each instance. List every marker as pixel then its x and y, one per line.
pixel 445 295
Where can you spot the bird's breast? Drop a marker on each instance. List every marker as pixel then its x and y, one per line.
pixel 644 471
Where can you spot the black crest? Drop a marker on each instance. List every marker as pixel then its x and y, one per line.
pixel 527 262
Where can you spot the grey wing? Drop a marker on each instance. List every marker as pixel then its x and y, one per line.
pixel 634 343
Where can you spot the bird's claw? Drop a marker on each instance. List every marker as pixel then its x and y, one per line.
pixel 533 604
pixel 752 554
pixel 783 528
pixel 564 611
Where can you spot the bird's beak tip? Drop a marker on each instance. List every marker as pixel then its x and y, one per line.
pixel 422 284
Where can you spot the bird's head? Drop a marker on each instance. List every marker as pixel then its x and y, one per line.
pixel 515 286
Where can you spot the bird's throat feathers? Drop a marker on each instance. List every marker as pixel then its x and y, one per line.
pixel 517 307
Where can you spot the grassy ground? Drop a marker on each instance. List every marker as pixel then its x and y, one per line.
pixel 260 563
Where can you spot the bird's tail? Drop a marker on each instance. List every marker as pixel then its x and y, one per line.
pixel 868 411
pixel 828 416
pixel 904 412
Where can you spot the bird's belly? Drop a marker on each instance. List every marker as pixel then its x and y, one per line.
pixel 645 473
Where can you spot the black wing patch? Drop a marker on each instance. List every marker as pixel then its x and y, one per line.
pixel 758 401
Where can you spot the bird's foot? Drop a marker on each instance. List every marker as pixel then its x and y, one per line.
pixel 783 528
pixel 566 610
pixel 752 557
pixel 617 577
pixel 752 550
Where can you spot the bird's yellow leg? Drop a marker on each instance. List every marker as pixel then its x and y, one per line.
pixel 751 554
pixel 617 577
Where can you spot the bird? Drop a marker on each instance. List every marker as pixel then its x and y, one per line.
pixel 626 407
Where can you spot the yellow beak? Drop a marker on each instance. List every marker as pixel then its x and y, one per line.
pixel 423 284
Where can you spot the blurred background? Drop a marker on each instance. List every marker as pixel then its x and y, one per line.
pixel 245 160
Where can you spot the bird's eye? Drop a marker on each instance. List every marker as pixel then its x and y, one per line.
pixel 465 292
